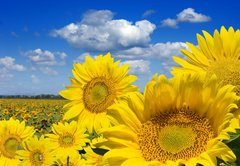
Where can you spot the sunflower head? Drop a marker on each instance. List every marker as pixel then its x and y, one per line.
pixel 93 159
pixel 37 152
pixel 178 121
pixel 97 85
pixel 68 138
pixel 218 54
pixel 12 134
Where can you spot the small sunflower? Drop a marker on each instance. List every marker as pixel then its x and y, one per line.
pixel 98 84
pixel 93 159
pixel 67 138
pixel 218 54
pixel 37 152
pixel 12 134
pixel 177 121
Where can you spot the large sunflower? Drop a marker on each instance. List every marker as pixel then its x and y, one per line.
pixel 36 152
pixel 177 121
pixel 97 85
pixel 68 139
pixel 218 54
pixel 12 134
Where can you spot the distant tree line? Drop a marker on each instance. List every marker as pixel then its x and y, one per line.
pixel 42 96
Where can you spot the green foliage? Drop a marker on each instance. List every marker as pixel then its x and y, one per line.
pixel 234 144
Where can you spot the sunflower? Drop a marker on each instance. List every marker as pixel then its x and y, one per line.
pixel 93 159
pixel 98 84
pixel 37 152
pixel 12 134
pixel 177 121
pixel 67 138
pixel 218 54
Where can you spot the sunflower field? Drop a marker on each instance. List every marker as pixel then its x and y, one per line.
pixel 190 119
pixel 40 114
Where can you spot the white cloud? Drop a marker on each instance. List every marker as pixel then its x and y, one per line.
pixel 45 57
pixel 62 55
pixel 81 58
pixel 34 79
pixel 169 23
pixel 158 50
pixel 167 49
pixel 95 17
pixel 148 13
pixel 48 71
pixel 138 66
pixel 98 31
pixel 187 15
pixel 167 65
pixel 9 64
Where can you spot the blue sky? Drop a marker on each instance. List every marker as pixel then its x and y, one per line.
pixel 40 40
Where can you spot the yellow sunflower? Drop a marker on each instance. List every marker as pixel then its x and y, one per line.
pixel 177 121
pixel 218 54
pixel 97 85
pixel 93 159
pixel 37 152
pixel 12 134
pixel 68 139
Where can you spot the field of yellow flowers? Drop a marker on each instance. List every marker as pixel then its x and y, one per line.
pixel 190 119
pixel 39 113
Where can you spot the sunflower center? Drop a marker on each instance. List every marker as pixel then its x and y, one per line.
pixel 98 95
pixel 175 139
pixel 99 92
pixel 11 145
pixel 174 135
pixel 66 140
pixel 37 158
pixel 228 71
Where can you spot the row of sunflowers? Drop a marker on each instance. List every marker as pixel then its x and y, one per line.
pixel 190 119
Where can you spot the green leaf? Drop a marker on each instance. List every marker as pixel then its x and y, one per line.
pixel 233 136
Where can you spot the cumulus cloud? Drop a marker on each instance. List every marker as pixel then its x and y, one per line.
pixel 9 64
pixel 148 13
pixel 169 23
pixel 138 67
pixel 81 58
pixel 158 50
pixel 167 65
pixel 45 57
pixel 161 52
pixel 187 15
pixel 98 31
